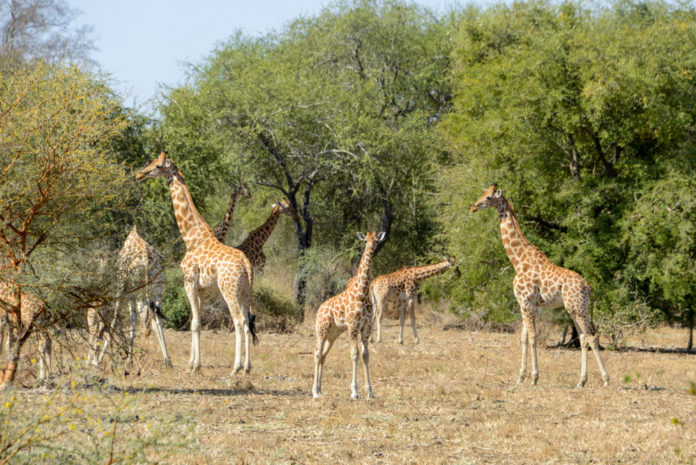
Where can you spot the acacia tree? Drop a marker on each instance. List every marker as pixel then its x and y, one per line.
pixel 574 111
pixel 56 173
pixel 334 112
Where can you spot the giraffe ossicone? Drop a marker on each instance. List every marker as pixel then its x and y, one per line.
pixel 350 311
pixel 207 264
pixel 539 283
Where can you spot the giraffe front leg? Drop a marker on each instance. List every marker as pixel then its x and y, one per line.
pixel 411 311
pixel 532 345
pixel 523 344
pixel 247 346
pixel 354 358
pixel 402 309
pixel 44 356
pixel 191 287
pixel 319 357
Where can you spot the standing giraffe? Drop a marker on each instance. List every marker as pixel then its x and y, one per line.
pixel 34 316
pixel 252 246
pixel 539 284
pixel 350 310
pixel 139 268
pixel 238 188
pixel 207 264
pixel 402 285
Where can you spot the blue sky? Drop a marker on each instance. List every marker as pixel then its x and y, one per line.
pixel 143 44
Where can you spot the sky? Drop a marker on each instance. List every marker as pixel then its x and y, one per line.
pixel 145 44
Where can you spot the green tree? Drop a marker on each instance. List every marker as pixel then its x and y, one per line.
pixel 571 109
pixel 334 112
pixel 56 174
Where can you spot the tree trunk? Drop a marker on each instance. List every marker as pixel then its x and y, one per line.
pixel 304 241
pixel 384 225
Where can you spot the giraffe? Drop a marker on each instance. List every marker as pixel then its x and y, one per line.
pixel 238 188
pixel 139 268
pixel 350 310
pixel 207 264
pixel 34 316
pixel 252 246
pixel 539 284
pixel 403 285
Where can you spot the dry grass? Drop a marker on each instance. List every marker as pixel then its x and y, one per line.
pixel 450 399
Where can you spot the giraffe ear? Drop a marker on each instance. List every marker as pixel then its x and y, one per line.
pixel 381 235
pixel 498 193
pixel 361 236
pixel 167 163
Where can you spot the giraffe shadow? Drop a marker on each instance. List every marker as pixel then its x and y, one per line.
pixel 102 384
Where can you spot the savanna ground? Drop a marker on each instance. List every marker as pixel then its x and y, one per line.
pixel 450 399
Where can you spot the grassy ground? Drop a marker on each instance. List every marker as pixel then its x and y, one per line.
pixel 450 399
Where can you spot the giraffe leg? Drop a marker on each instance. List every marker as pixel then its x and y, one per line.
pixel 583 362
pixel 237 346
pixel 108 333
pixel 191 287
pixel 158 328
pixel 402 309
pixel 411 311
pixel 322 348
pixel 532 345
pixel 378 305
pixel 366 363
pixel 135 310
pixel 523 344
pixel 354 358
pixel 587 328
pixel 44 356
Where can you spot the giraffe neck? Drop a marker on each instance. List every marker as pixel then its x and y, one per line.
pixel 426 271
pixel 358 284
pixel 517 247
pixel 224 226
pixel 193 228
pixel 260 235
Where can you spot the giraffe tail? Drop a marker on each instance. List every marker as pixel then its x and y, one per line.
pixel 592 302
pixel 252 328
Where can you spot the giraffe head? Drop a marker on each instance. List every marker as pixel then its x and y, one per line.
pixel 490 199
pixel 241 188
pixel 161 167
pixel 286 209
pixel 372 239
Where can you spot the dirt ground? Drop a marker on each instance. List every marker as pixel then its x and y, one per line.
pixel 451 399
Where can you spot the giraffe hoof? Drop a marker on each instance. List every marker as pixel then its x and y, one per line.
pixel 606 382
pixel 416 341
pixel 247 370
pixel 236 370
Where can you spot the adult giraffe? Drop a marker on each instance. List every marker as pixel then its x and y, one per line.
pixel 207 264
pixel 539 284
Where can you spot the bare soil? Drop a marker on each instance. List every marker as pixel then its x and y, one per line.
pixel 453 398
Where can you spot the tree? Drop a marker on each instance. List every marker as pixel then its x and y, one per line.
pixel 334 112
pixel 56 176
pixel 572 110
pixel 31 29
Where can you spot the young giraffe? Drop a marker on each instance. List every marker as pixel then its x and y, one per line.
pixel 139 266
pixel 238 188
pixel 34 315
pixel 252 246
pixel 207 264
pixel 538 284
pixel 350 310
pixel 402 285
